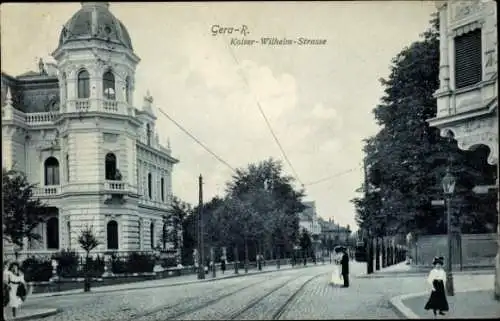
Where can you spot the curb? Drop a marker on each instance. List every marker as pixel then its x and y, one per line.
pixel 417 273
pixel 73 292
pixel 45 313
pixel 398 305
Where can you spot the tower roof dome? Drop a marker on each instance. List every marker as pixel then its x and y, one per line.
pixel 95 21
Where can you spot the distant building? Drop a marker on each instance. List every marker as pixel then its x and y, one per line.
pixel 73 129
pixel 333 234
pixel 309 221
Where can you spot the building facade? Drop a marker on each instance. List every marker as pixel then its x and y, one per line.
pixel 467 99
pixel 332 234
pixel 72 128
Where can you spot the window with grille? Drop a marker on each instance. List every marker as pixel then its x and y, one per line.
pixel 468 62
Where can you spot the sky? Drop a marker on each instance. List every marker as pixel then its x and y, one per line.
pixel 317 98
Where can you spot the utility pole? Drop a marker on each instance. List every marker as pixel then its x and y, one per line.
pixel 368 242
pixel 201 268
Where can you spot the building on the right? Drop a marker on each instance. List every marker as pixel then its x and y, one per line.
pixel 467 99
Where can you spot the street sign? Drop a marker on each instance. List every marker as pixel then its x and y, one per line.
pixel 437 202
pixel 483 189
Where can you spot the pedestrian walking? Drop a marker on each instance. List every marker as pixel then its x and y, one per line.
pixel 437 280
pixel 16 286
pixel 345 267
pixel 223 264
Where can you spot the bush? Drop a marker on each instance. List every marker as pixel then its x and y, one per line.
pixel 68 263
pixel 118 265
pixel 138 263
pixel 96 266
pixel 169 262
pixel 36 270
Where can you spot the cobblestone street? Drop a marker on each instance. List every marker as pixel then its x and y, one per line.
pixel 300 293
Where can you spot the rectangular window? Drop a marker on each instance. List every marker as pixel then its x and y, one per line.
pixel 468 59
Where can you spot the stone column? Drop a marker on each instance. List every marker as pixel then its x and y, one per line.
pixel 444 70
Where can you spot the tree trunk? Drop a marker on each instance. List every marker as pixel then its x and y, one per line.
pixel 278 257
pixel 86 283
pixel 236 259
pixel 246 255
pixel 377 253
pixel 384 256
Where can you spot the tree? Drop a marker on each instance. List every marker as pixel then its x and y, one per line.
pixel 88 241
pixel 407 159
pixel 305 243
pixel 275 202
pixel 22 213
pixel 176 215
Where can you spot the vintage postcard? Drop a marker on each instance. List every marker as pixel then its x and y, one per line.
pixel 250 160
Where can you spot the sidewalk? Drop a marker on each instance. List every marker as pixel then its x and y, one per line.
pixel 464 305
pixel 403 269
pixel 28 314
pixel 473 299
pixel 171 281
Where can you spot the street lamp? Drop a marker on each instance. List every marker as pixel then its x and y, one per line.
pixel 448 183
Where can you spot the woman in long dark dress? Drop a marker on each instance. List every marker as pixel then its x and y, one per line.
pixel 437 280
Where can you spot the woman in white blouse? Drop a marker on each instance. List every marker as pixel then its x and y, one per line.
pixel 17 286
pixel 437 280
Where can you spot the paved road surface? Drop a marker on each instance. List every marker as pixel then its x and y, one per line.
pixel 287 294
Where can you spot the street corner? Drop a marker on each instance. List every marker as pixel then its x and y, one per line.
pixel 401 308
pixel 29 314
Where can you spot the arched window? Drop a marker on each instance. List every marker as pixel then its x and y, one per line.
pixel 64 86
pixel 127 89
pixel 68 229
pixel 150 186
pixel 164 235
pixel 67 167
pixel 53 233
pixel 51 171
pixel 152 234
pixel 112 233
pixel 83 84
pixel 148 133
pixel 110 166
pixel 108 86
pixel 162 189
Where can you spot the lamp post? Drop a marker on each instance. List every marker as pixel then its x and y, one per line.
pixel 448 183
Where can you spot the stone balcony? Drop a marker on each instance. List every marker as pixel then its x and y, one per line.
pixel 47 191
pixel 115 187
pixel 99 105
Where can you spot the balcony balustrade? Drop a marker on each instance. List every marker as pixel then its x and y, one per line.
pixel 47 191
pixel 82 105
pixel 110 106
pixel 41 118
pixel 115 186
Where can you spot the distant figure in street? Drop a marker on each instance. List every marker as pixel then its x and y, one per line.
pixel 223 264
pixel 345 267
pixel 16 286
pixel 337 269
pixel 437 280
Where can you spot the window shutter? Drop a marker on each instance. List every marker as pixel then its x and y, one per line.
pixel 468 62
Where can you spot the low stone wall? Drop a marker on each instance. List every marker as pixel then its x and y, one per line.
pixel 475 250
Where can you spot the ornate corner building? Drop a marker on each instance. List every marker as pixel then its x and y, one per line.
pixel 467 99
pixel 97 160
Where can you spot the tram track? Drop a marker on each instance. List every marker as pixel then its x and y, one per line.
pixel 177 315
pixel 277 315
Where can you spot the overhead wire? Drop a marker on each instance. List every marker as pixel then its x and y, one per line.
pixel 283 153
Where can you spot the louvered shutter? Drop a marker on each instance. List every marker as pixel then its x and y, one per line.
pixel 468 62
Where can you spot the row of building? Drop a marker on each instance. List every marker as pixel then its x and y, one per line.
pixel 325 234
